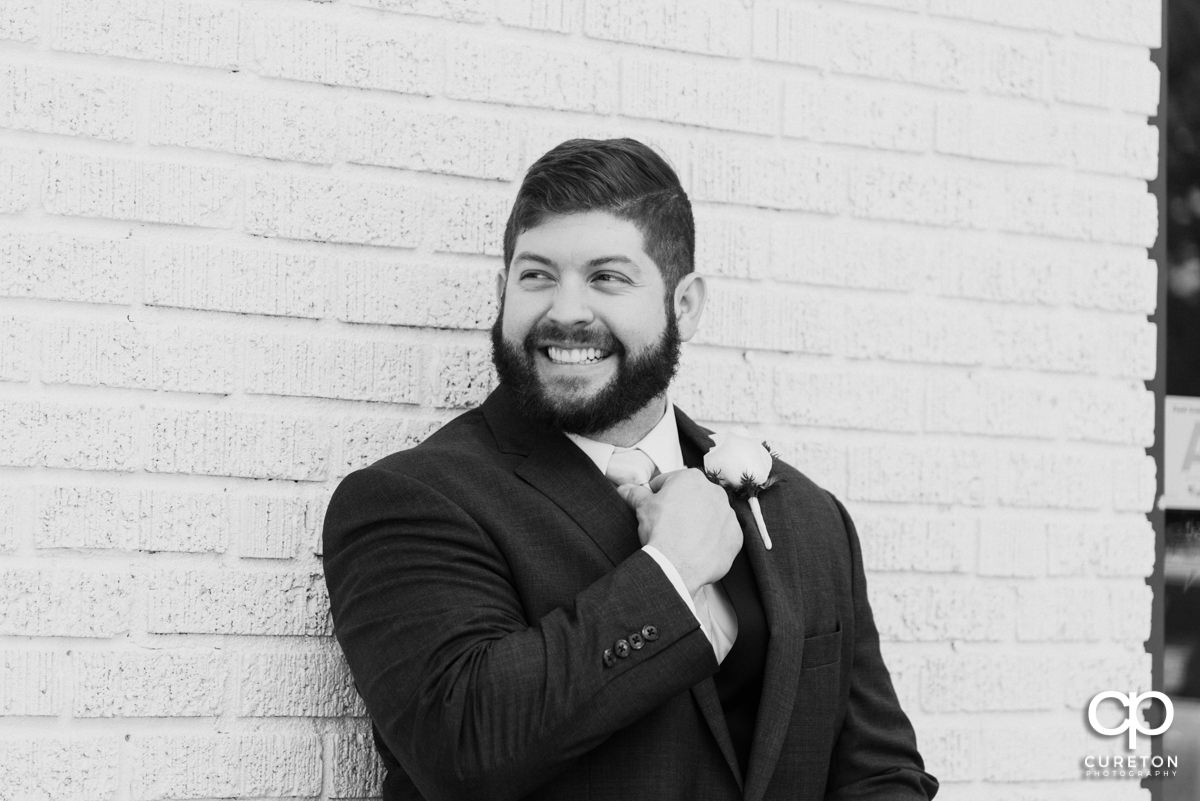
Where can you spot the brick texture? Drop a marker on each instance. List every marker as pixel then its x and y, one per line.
pixel 248 247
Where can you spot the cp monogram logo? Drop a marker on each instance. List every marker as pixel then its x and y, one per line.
pixel 1132 723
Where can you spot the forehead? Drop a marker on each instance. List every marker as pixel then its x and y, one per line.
pixel 583 236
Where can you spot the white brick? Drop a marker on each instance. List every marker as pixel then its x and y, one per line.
pixel 236 279
pixel 1031 14
pixel 456 10
pixel 1012 546
pixel 917 191
pixel 56 101
pixel 1009 681
pixel 293 125
pixel 909 609
pixel 467 222
pixel 720 28
pixel 713 387
pixel 826 110
pixel 893 542
pixel 11 505
pixel 144 356
pixel 559 16
pixel 221 602
pixel 1133 486
pixel 782 177
pixel 333 209
pixel 569 80
pixel 130 189
pixel 1022 132
pixel 389 54
pixel 392 134
pixel 914 474
pixel 735 243
pixel 236 444
pixel 160 684
pixel 995 404
pixel 201 33
pixel 60 768
pixel 16 345
pixel 357 770
pixel 1131 21
pixel 1109 546
pixel 427 295
pixel 1117 281
pixel 823 462
pixel 1049 479
pixel 1082 610
pixel 1121 413
pixel 143 520
pixel 955 750
pixel 365 440
pixel 16 174
pixel 765 317
pixel 682 91
pixel 31 682
pixel 225 766
pixel 379 369
pixel 1105 77
pixel 1051 750
pixel 19 19
pixel 76 437
pixel 65 603
pixel 461 376
pixel 849 399
pixel 270 527
pixel 67 267
pixel 297 684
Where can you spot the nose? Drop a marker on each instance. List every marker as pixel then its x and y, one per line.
pixel 570 306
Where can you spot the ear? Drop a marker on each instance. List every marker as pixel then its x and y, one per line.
pixel 501 282
pixel 690 294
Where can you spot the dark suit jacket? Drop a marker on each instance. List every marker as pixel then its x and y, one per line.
pixel 476 580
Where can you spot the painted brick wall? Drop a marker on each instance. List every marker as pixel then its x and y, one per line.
pixel 248 245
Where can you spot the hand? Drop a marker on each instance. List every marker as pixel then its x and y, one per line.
pixel 688 519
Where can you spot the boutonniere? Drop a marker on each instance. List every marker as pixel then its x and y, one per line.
pixel 742 465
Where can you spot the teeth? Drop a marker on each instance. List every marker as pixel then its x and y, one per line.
pixel 574 355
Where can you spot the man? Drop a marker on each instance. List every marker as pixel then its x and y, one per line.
pixel 522 625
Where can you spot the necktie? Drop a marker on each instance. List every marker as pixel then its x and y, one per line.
pixel 630 466
pixel 634 466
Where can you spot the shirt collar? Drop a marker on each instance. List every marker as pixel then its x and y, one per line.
pixel 661 444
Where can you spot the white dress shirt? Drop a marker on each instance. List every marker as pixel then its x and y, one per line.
pixel 710 605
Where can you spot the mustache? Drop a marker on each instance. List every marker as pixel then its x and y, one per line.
pixel 548 330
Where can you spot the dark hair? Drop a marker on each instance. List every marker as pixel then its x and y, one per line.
pixel 621 176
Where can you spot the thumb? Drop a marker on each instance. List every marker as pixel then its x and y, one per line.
pixel 634 494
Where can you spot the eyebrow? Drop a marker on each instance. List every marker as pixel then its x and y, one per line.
pixel 596 262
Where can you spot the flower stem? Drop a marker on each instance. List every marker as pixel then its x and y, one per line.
pixel 756 510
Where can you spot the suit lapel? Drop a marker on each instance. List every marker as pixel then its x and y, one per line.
pixel 781 607
pixel 565 475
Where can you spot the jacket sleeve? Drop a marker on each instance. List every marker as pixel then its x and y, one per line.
pixel 875 756
pixel 471 698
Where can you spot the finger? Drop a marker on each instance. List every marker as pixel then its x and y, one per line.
pixel 656 483
pixel 634 494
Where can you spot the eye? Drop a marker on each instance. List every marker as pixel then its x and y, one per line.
pixel 611 279
pixel 533 277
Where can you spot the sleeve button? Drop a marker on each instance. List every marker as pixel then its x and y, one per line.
pixel 636 641
pixel 650 633
pixel 621 648
pixel 609 658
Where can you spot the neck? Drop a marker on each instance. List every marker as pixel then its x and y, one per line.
pixel 633 428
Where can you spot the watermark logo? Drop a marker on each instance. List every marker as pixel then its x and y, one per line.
pixel 1132 722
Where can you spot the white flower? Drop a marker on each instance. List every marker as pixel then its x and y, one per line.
pixel 742 465
pixel 738 462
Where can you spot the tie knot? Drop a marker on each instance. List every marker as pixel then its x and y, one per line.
pixel 630 466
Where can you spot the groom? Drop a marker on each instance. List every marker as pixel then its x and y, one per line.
pixel 548 599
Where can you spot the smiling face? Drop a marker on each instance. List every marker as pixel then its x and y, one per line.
pixel 588 336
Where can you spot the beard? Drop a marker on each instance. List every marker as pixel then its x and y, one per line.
pixel 641 377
